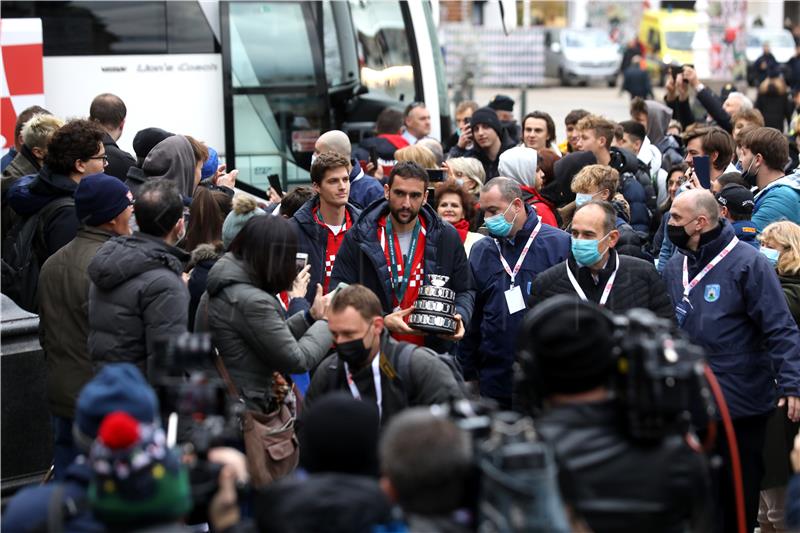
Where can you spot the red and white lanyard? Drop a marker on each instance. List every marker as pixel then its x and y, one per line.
pixel 513 273
pixel 376 373
pixel 687 285
pixel 606 290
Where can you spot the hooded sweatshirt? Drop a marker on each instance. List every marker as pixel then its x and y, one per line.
pixel 658 117
pixel 519 164
pixel 172 159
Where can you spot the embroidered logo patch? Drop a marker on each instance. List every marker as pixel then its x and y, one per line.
pixel 711 294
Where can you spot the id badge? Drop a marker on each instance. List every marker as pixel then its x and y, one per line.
pixel 682 311
pixel 514 300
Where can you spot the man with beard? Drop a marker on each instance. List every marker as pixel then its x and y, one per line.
pixel 393 248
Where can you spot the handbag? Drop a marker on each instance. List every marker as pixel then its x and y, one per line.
pixel 270 442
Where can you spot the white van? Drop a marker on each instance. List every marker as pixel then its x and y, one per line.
pixel 581 56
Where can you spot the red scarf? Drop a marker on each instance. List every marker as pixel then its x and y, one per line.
pixel 462 227
pixel 333 244
pixel 417 276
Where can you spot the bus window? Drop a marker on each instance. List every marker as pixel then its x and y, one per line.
pixel 333 54
pixel 384 53
pixel 270 45
pixel 188 31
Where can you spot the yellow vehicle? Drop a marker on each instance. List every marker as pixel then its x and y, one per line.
pixel 667 37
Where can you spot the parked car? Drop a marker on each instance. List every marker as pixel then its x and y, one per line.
pixel 581 56
pixel 781 44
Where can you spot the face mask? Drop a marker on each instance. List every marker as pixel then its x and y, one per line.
pixel 313 158
pixel 586 252
pixel 582 198
pixel 498 226
pixel 750 177
pixel 678 236
pixel 354 352
pixel 771 254
pixel 459 182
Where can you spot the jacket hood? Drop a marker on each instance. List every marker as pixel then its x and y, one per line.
pixel 227 271
pixel 658 117
pixel 367 223
pixel 519 164
pixel 31 193
pixel 124 258
pixel 623 160
pixel 792 181
pixel 172 159
pixel 204 252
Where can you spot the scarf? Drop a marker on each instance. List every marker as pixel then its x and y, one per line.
pixel 462 227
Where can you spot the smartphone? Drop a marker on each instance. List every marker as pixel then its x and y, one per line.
pixel 702 169
pixel 300 261
pixel 275 183
pixel 436 174
pixel 339 287
pixel 431 196
pixel 373 156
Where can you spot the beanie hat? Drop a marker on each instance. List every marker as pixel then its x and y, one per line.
pixel 487 115
pixel 244 208
pixel 340 434
pixel 572 343
pixel 100 197
pixel 136 479
pixel 738 199
pixel 147 139
pixel 501 102
pixel 211 164
pixel 117 387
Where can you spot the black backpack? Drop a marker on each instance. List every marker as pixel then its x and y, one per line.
pixel 403 364
pixel 23 251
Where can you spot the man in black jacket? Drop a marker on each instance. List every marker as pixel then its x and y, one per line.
pixel 489 140
pixel 109 111
pixel 400 236
pixel 596 272
pixel 621 485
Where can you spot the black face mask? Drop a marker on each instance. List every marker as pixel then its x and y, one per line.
pixel 353 352
pixel 678 236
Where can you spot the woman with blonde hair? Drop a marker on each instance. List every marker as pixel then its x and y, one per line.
pixel 780 244
pixel 468 171
pixel 418 154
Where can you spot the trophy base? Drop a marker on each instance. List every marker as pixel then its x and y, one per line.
pixel 434 324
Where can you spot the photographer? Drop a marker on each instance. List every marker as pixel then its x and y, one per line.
pixel 622 484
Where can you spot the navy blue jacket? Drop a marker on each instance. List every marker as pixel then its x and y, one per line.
pixel 625 162
pixel 361 260
pixel 487 351
pixel 741 319
pixel 364 189
pixel 312 238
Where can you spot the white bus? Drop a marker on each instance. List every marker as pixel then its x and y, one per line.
pixel 258 81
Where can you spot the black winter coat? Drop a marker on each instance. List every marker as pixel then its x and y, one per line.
pixel 777 109
pixel 119 161
pixel 637 285
pixel 312 239
pixel 361 260
pixel 490 167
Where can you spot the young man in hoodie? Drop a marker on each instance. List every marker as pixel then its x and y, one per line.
pixel 765 151
pixel 489 141
pixel 138 295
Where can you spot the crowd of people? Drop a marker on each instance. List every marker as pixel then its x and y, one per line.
pixel 308 299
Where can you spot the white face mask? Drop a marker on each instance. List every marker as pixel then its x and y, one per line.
pixel 313 158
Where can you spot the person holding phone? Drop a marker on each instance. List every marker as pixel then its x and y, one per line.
pixel 715 143
pixel 490 140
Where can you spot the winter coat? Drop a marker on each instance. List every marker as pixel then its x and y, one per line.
pixel 780 200
pixel 364 189
pixel 385 147
pixel 637 285
pixel 637 82
pixel 312 238
pixel 431 380
pixel 630 241
pixel 777 109
pixel 361 260
pixel 671 152
pixel 650 155
pixel 119 161
pixel 740 317
pixel 633 177
pixel 559 191
pixel 172 159
pixel 202 259
pixel 252 333
pixel 623 486
pixel 28 196
pixel 64 321
pixel 23 164
pixel 137 298
pixel 7 158
pixel 746 232
pixel 135 179
pixel 490 167
pixel 791 289
pixel 487 350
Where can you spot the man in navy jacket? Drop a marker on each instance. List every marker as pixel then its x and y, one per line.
pixel 487 351
pixel 733 306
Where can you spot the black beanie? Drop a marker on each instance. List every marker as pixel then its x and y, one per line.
pixel 340 434
pixel 501 102
pixel 146 139
pixel 572 343
pixel 488 116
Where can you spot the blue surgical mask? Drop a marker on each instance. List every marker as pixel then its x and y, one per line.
pixel 498 226
pixel 582 198
pixel 771 254
pixel 586 252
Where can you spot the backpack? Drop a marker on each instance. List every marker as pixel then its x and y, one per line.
pixel 403 365
pixel 22 253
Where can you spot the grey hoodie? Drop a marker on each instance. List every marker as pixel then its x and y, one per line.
pixel 137 297
pixel 519 164
pixel 658 117
pixel 173 159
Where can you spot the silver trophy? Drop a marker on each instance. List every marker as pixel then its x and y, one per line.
pixel 435 307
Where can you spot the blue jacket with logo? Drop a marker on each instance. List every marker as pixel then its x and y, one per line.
pixel 780 200
pixel 747 232
pixel 740 317
pixel 487 351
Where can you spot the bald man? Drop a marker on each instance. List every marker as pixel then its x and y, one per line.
pixel 729 301
pixel 363 189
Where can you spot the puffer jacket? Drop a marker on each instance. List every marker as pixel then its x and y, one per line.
pixel 23 164
pixel 637 188
pixel 780 200
pixel 137 298
pixel 252 333
pixel 637 285
pixel 202 259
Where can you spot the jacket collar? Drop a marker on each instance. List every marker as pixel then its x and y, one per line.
pixel 356 172
pixel 48 183
pixel 305 215
pixel 526 230
pixel 93 233
pixel 367 223
pixel 108 140
pixel 711 243
pixel 584 274
pixel 159 243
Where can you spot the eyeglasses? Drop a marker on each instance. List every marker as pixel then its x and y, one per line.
pixel 104 157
